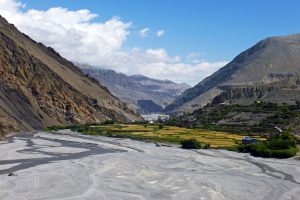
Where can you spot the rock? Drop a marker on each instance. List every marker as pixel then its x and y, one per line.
pixel 11 174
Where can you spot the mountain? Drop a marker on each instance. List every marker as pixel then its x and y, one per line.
pixel 135 88
pixel 149 106
pixel 268 71
pixel 39 88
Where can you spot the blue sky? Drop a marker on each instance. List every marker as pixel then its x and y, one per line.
pixel 219 29
pixel 200 36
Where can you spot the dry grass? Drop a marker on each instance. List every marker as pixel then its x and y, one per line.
pixel 214 138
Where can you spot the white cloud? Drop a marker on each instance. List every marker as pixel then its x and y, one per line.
pixel 76 36
pixel 144 32
pixel 160 33
pixel 157 54
pixel 158 64
pixel 72 33
pixel 9 7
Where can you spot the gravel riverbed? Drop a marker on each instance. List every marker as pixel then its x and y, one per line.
pixel 67 165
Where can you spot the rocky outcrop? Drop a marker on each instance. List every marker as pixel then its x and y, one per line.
pixel 247 94
pixel 263 71
pixel 39 88
pixel 7 123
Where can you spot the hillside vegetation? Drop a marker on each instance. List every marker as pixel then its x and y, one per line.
pixel 259 118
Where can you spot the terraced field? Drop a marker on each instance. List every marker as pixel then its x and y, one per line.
pixel 166 134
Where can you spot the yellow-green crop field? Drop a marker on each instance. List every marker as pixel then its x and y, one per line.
pixel 169 134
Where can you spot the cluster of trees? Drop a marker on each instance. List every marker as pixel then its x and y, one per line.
pixel 282 145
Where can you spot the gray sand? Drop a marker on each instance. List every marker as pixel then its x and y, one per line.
pixel 71 166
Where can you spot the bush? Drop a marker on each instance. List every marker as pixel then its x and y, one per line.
pixel 109 122
pixel 232 148
pixel 191 144
pixel 206 146
pixel 160 126
pixel 261 150
pixel 280 146
pixel 56 128
pixel 287 153
pixel 297 140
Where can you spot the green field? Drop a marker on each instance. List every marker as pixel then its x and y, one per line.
pixel 168 134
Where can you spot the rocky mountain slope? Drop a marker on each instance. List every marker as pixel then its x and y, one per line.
pixel 39 88
pixel 268 71
pixel 134 88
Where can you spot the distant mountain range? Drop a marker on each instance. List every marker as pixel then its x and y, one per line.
pixel 39 88
pixel 268 71
pixel 146 94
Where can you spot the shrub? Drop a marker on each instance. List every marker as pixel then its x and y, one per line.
pixel 233 148
pixel 261 150
pixel 297 140
pixel 286 153
pixel 206 146
pixel 280 146
pixel 160 126
pixel 109 122
pixel 56 128
pixel 191 144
